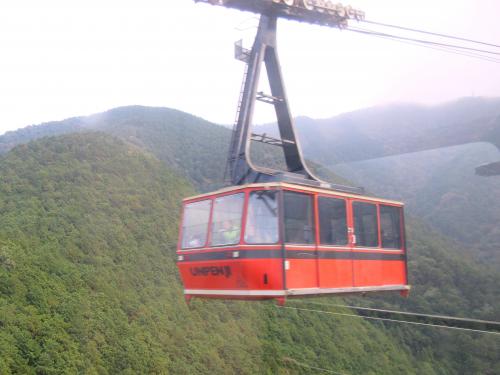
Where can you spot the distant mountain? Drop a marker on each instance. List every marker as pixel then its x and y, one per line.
pixel 401 128
pixel 195 148
pixel 188 144
pixel 360 135
pixel 88 282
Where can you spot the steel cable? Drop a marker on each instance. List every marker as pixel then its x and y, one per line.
pixel 391 320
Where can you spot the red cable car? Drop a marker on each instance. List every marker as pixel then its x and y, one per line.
pixel 281 233
pixel 274 240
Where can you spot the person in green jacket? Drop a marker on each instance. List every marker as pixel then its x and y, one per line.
pixel 231 232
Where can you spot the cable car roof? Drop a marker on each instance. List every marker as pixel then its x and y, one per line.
pixel 285 185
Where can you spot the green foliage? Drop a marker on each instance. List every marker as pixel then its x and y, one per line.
pixel 88 282
pixel 445 283
pixel 191 146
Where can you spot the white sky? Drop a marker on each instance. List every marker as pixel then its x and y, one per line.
pixel 61 58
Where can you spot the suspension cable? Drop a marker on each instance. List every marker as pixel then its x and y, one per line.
pixel 390 320
pixel 423 41
pixel 430 33
pixel 437 48
pixel 443 317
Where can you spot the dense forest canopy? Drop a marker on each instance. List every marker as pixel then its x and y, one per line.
pixel 88 281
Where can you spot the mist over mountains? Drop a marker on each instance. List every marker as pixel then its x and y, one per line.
pixel 401 128
pixel 88 219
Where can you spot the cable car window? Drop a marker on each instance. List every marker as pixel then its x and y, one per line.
pixel 299 224
pixel 195 224
pixel 365 224
pixel 226 219
pixel 390 227
pixel 262 218
pixel 332 221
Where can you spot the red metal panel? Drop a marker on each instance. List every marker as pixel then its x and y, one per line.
pixel 335 271
pixel 394 272
pixel 301 273
pixel 379 272
pixel 244 274
pixel 368 272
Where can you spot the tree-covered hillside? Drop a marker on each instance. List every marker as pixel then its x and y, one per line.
pixel 88 281
pixel 190 145
pixel 193 147
pixel 400 128
pixel 444 281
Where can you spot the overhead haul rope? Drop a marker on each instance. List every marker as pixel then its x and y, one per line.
pixel 390 320
pixel 444 317
pixel 453 50
pixel 430 33
pixel 423 41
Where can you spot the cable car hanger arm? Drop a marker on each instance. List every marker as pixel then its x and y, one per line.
pixel 320 12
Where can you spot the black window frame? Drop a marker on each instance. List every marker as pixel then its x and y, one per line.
pixel 400 231
pixel 377 222
pixel 284 222
pixel 346 212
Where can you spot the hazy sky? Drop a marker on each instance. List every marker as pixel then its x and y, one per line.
pixel 61 58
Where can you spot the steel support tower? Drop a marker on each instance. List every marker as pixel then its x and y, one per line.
pixel 240 168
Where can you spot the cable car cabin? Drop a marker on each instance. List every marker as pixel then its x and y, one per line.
pixel 278 240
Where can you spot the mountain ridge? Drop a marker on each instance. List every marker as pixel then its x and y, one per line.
pixel 47 189
pixel 88 283
pixel 399 129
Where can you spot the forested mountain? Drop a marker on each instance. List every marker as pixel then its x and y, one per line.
pixel 195 148
pixel 188 144
pixel 400 128
pixel 88 282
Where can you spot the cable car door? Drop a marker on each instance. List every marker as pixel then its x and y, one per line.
pixel 301 260
pixel 334 252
